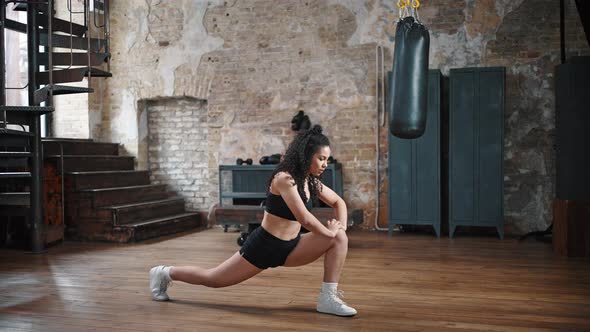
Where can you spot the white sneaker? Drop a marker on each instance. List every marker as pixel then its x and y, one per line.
pixel 159 283
pixel 330 303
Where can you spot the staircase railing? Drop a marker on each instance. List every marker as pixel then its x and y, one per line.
pixel 53 74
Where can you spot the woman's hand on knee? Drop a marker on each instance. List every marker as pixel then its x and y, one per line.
pixel 334 226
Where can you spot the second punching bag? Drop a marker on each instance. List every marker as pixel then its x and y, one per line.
pixel 408 88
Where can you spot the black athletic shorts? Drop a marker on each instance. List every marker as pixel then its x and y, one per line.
pixel 265 250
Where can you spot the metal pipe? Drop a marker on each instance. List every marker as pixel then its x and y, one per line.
pixel 2 56
pixel 107 33
pixel 37 241
pixel 87 11
pixel 2 62
pixel 379 105
pixel 49 50
pixel 62 175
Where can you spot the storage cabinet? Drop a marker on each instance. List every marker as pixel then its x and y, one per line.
pixel 414 169
pixel 246 184
pixel 476 148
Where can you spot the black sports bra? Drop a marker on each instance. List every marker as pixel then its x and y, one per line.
pixel 275 204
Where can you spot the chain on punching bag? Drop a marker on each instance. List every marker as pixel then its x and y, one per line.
pixel 409 85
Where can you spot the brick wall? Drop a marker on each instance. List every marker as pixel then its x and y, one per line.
pixel 177 148
pixel 257 62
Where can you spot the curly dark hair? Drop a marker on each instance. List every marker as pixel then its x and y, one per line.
pixel 297 161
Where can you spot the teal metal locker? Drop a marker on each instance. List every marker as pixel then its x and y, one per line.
pixel 414 169
pixel 476 148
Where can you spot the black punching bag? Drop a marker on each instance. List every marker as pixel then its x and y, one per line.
pixel 408 88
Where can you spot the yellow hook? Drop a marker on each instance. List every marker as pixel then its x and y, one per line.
pixel 415 4
pixel 402 4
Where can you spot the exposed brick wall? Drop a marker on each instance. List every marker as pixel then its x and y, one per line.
pixel 527 43
pixel 177 148
pixel 257 62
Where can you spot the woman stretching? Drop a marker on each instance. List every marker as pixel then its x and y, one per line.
pixel 292 188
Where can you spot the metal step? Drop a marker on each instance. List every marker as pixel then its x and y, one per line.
pixel 39 110
pixel 16 133
pixel 14 164
pixel 14 154
pixel 15 26
pixel 10 138
pixel 73 59
pixel 22 114
pixel 62 25
pixel 61 139
pixel 42 94
pixel 22 7
pixel 15 198
pixel 100 73
pixel 78 43
pixel 14 175
pixel 70 75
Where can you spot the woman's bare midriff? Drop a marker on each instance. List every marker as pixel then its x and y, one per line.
pixel 282 228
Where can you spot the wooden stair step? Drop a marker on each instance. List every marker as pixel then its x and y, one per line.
pixel 76 181
pixel 72 163
pixel 79 147
pixel 136 212
pixel 161 226
pixel 126 195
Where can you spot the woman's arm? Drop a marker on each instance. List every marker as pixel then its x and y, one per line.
pixel 287 188
pixel 336 202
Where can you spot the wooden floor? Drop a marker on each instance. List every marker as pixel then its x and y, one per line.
pixel 405 283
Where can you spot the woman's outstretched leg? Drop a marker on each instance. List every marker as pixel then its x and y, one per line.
pixel 233 271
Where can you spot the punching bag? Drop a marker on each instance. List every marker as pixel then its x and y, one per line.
pixel 409 84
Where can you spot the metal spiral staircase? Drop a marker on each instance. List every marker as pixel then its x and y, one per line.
pixel 21 151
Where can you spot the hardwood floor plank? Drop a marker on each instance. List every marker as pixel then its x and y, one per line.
pixel 403 283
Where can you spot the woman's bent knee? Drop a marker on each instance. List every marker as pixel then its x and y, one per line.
pixel 341 239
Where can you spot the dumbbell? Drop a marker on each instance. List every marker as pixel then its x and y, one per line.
pixel 271 160
pixel 241 161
